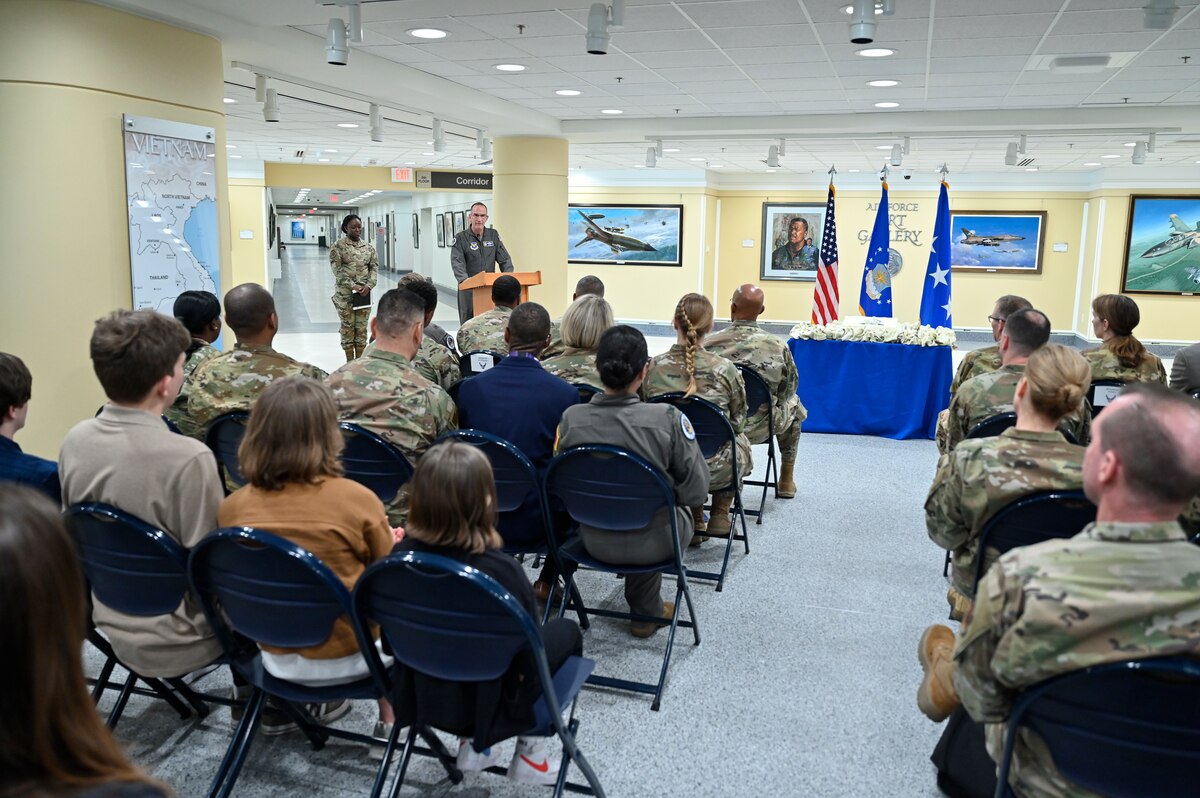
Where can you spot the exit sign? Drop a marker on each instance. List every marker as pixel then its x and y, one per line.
pixel 401 174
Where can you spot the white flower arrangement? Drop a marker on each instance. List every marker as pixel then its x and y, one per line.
pixel 911 334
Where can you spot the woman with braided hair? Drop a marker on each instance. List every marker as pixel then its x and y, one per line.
pixel 686 367
pixel 1120 356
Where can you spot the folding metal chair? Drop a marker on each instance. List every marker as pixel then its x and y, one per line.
pixel 478 361
pixel 992 426
pixel 260 587
pixel 1122 729
pixel 713 431
pixel 610 488
pixel 372 461
pixel 758 395
pixel 450 621
pixel 1101 393
pixel 137 569
pixel 224 436
pixel 1033 519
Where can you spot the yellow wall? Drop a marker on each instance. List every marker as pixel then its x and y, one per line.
pixel 247 211
pixel 356 178
pixel 68 71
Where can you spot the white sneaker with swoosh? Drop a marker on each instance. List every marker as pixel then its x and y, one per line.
pixel 531 764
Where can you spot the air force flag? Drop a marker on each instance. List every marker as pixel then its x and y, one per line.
pixel 875 296
pixel 935 297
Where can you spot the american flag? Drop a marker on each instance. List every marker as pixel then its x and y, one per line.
pixel 825 296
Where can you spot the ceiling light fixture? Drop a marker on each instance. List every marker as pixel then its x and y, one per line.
pixel 1031 168
pixel 347 124
pixel 862 22
pixel 887 105
pixel 601 20
pixel 783 147
pixel 428 33
pixel 376 123
pixel 1010 154
pixel 1022 143
pixel 238 156
pixel 611 111
pixel 485 150
pixel 322 160
pixel 876 52
pixel 695 159
pixel 271 106
pixel 439 136
pixel 716 165
pixel 651 158
pixel 568 92
pixel 1151 142
pixel 1131 144
pixel 883 146
pixel 1159 14
pixel 883 84
pixel 670 149
pixel 260 88
pixel 1139 153
pixel 773 156
pixel 855 170
pixel 897 156
pixel 510 67
pixel 229 100
pixel 907 145
pixel 231 146
pixel 1097 163
pixel 1110 157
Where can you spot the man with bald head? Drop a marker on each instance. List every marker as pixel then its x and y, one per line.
pixel 746 344
pixel 233 380
pixel 588 284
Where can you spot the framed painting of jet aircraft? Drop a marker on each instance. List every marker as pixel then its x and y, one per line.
pixel 620 235
pixel 997 241
pixel 791 236
pixel 1162 248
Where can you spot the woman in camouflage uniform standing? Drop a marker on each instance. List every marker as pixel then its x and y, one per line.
pixel 582 325
pixel 1120 356
pixel 686 367
pixel 200 313
pixel 355 271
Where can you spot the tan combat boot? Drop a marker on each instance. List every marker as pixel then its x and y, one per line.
pixel 786 488
pixel 700 525
pixel 349 350
pixel 936 697
pixel 719 522
pixel 960 604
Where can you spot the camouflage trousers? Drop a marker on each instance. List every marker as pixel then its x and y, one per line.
pixel 353 329
pixel 788 418
pixel 940 433
pixel 720 465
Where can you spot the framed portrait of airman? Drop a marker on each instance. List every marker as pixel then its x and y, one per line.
pixel 791 240
pixel 440 223
pixel 619 235
pixel 460 219
pixel 997 241
pixel 448 228
pixel 1162 246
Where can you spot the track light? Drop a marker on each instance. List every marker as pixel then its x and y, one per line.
pixel 651 160
pixel 1151 142
pixel 271 106
pixel 337 48
pixel 597 30
pixel 907 145
pixel 1139 152
pixel 658 149
pixel 1010 155
pixel 773 156
pixel 260 88
pixel 783 147
pixel 1021 142
pixel 897 157
pixel 376 123
pixel 439 136
pixel 1159 14
pixel 485 150
pixel 862 22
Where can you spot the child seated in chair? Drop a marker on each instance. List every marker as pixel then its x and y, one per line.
pixel 452 513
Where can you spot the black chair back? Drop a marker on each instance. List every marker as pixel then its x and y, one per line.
pixel 1101 393
pixel 1033 519
pixel 609 488
pixel 758 392
pixel 224 436
pixel 712 427
pixel 478 361
pixel 516 483
pixel 992 426
pixel 371 461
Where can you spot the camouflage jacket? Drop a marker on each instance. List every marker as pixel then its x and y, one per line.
pixel 485 331
pixel 719 382
pixel 1106 366
pixel 556 346
pixel 744 343
pixel 382 392
pixel 436 363
pixel 233 380
pixel 1114 592
pixel 987 395
pixel 981 476
pixel 575 366
pixel 178 412
pixel 439 335
pixel 974 363
pixel 352 264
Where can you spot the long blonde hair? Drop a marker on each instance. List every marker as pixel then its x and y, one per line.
pixel 452 499
pixel 585 321
pixel 694 318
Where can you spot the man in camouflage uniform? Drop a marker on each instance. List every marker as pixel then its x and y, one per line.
pixel 382 392
pixel 486 331
pixel 433 361
pixel 1122 589
pixel 355 271
pixel 747 345
pixel 984 360
pixel 989 394
pixel 233 380
pixel 588 284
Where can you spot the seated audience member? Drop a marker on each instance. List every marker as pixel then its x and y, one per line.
pixel 1185 370
pixel 990 394
pixel 233 380
pixel 454 515
pixel 659 434
pixel 16 387
pixel 588 285
pixel 745 344
pixel 688 368
pixel 518 401
pixel 584 322
pixel 1120 356
pixel 382 392
pixel 436 360
pixel 53 742
pixel 128 458
pixel 296 490
pixel 486 331
pixel 983 475
pixel 200 313
pixel 1122 589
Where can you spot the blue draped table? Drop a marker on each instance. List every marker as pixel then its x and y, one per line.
pixel 891 390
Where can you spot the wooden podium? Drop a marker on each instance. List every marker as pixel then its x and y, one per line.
pixel 480 287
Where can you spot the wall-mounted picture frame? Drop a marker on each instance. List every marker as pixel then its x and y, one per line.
pixel 448 228
pixel 997 241
pixel 460 222
pixel 791 240
pixel 297 230
pixel 620 235
pixel 416 231
pixel 1162 246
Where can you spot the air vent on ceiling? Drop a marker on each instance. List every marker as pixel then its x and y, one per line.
pixel 1067 63
pixel 299 153
pixel 1025 162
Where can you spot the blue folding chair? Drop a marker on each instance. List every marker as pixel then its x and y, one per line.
pixel 140 570
pixel 224 436
pixel 478 361
pixel 372 461
pixel 758 395
pixel 1122 729
pixel 449 621
pixel 1032 519
pixel 713 431
pixel 1100 394
pixel 992 426
pixel 258 586
pixel 610 488
pixel 517 483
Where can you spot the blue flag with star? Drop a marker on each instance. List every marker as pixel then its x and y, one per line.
pixel 935 297
pixel 875 295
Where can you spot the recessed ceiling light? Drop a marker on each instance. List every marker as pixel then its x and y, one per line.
pixel 1110 156
pixel 235 156
pixel 1097 163
pixel 410 163
pixel 639 166
pixel 323 160
pixel 229 100
pixel 346 124
pixel 330 150
pixel 855 170
pixel 883 146
pixel 612 111
pixel 670 149
pixel 876 52
pixel 1031 169
pixel 695 159
pixel 568 93
pixel 717 165
pixel 427 33
pixel 1131 144
pixel 883 84
pixel 887 105
pixel 850 10
pixel 510 67
pixel 231 146
pixel 427 153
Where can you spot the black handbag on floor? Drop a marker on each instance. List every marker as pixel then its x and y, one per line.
pixel 965 770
